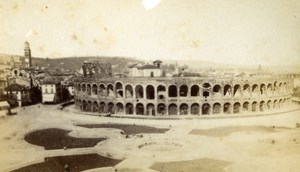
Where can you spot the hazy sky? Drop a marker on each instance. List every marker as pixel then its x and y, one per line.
pixel 230 31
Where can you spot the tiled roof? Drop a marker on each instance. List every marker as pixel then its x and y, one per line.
pixel 148 66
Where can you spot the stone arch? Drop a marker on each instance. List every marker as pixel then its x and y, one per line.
pixel 89 106
pixel 102 91
pixel 150 109
pixel 262 89
pixel 172 109
pixel 150 93
pixel 172 91
pixel 216 108
pixel 183 90
pixel 205 109
pixel 246 106
pixel 139 92
pixel 275 104
pixel 139 109
pixel 110 90
pixel 84 104
pixel 78 87
pixel 255 90
pixel 269 89
pixel 195 109
pixel 217 90
pixel 195 90
pixel 161 92
pixel 269 105
pixel 227 108
pixel 237 90
pixel 110 108
pixel 236 107
pixel 119 90
pixel 95 106
pixel 89 89
pixel 94 89
pixel 119 108
pixel 262 106
pixel 254 106
pixel 161 109
pixel 246 90
pixel 128 91
pixel 129 108
pixel 227 90
pixel 184 108
pixel 83 87
pixel 102 107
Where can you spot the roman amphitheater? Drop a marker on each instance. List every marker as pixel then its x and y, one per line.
pixel 165 96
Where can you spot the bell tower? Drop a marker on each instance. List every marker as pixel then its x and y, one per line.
pixel 27 54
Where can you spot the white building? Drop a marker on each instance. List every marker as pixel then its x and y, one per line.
pixel 145 70
pixel 48 92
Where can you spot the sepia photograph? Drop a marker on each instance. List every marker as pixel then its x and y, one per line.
pixel 149 86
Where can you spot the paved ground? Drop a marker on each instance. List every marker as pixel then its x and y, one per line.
pixel 264 143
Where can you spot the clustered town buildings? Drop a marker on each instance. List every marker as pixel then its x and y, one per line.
pixel 146 92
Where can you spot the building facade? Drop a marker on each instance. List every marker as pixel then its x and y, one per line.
pixel 159 96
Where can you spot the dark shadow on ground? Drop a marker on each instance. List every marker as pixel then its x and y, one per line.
pixel 205 164
pixel 225 131
pixel 128 129
pixel 72 163
pixel 54 138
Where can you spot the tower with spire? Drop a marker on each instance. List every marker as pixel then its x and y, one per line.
pixel 27 55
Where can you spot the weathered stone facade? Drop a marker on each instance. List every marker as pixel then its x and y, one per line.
pixel 182 95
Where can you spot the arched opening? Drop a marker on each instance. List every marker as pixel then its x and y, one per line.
pixel 254 106
pixel 83 87
pixel 173 109
pixel 95 89
pixel 110 90
pixel 262 89
pixel 227 90
pixel 216 108
pixel 269 89
pixel 161 109
pixel 128 91
pixel 183 90
pixel 95 107
pixel 78 87
pixel 102 91
pixel 150 109
pixel 246 90
pixel 217 91
pixel 119 90
pixel 246 106
pixel 89 106
pixel 102 108
pixel 195 109
pixel 139 109
pixel 206 89
pixel 110 108
pixel 184 109
pixel 129 108
pixel 139 92
pixel 89 91
pixel 275 104
pixel 84 105
pixel 269 105
pixel 172 91
pixel 150 92
pixel 195 90
pixel 205 109
pixel 119 108
pixel 255 90
pixel 237 91
pixel 227 109
pixel 161 92
pixel 280 103
pixel 262 106
pixel 236 107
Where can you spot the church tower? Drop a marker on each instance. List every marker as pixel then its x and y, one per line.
pixel 27 54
